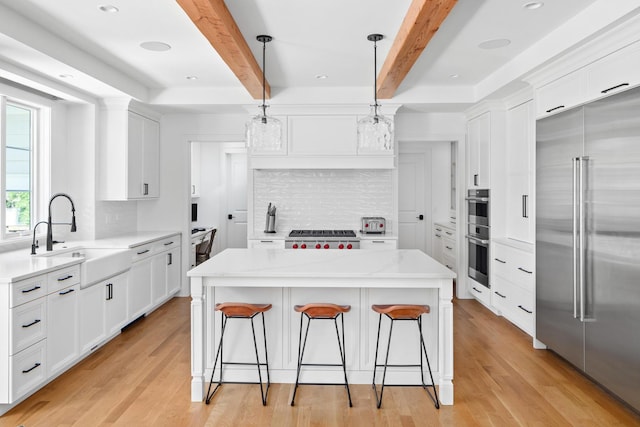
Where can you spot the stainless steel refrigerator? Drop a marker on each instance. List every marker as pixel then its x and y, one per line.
pixel 588 240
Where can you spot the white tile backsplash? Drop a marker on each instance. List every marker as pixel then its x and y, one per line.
pixel 322 199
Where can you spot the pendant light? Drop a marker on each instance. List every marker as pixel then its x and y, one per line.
pixel 375 132
pixel 264 133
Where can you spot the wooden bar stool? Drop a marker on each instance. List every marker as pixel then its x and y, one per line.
pixel 321 311
pixel 403 312
pixel 239 310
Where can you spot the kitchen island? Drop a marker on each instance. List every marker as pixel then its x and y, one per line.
pixel 287 277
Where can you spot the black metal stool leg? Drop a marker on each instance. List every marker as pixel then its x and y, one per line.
pixel 375 359
pixel 433 384
pixel 386 363
pixel 301 347
pixel 341 347
pixel 215 363
pixel 255 346
pixel 266 354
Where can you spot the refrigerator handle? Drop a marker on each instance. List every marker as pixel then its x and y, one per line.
pixel 582 168
pixel 575 162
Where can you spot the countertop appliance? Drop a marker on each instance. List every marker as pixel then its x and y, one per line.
pixel 322 239
pixel 478 231
pixel 270 221
pixel 588 240
pixel 373 225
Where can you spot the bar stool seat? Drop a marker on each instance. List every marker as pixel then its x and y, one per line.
pixel 400 312
pixel 241 310
pixel 321 311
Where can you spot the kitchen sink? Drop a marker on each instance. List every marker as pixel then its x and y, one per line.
pixel 98 263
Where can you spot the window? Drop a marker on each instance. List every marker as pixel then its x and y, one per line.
pixel 20 130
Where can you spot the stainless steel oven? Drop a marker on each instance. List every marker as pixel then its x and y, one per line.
pixel 478 234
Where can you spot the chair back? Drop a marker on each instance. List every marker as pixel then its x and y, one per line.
pixel 204 248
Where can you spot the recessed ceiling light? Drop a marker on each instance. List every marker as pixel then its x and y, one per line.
pixel 65 76
pixel 494 44
pixel 107 8
pixel 533 5
pixel 191 77
pixel 321 76
pixel 454 76
pixel 155 46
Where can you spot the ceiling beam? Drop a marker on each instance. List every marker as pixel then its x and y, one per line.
pixel 420 24
pixel 215 22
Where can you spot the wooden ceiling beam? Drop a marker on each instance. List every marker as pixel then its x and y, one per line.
pixel 215 22
pixel 420 24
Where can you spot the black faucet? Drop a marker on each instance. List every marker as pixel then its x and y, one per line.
pixel 72 223
pixel 34 244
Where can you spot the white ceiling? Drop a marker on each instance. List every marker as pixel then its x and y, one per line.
pixel 102 50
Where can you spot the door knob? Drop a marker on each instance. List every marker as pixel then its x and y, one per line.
pixel 229 216
pixel 420 217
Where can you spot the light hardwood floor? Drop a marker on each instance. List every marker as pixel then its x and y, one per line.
pixel 142 378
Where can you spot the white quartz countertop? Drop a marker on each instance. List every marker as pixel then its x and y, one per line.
pixel 273 263
pixel 20 264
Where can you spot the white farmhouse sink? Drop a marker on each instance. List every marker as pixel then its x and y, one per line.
pixel 98 264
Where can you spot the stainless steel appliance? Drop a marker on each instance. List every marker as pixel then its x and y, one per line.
pixel 373 225
pixel 322 239
pixel 588 240
pixel 270 221
pixel 478 236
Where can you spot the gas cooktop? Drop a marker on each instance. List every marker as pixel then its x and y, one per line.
pixel 350 234
pixel 322 239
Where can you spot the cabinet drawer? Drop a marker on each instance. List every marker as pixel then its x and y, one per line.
pixel 450 262
pixel 522 312
pixel 449 248
pixel 28 324
pixel 141 252
pixel 514 265
pixel 28 290
pixel 378 244
pixel 502 295
pixel 167 244
pixel 63 278
pixel 27 369
pixel 275 243
pixel 481 293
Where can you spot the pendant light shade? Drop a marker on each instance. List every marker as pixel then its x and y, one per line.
pixel 264 133
pixel 375 132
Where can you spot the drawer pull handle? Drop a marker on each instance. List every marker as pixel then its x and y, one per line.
pixel 142 252
pixel 526 271
pixel 168 243
pixel 32 323
pixel 377 241
pixel 615 87
pixel 266 241
pixel 524 309
pixel 62 279
pixel 449 233
pixel 499 294
pixel 500 261
pixel 438 235
pixel 449 267
pixel 26 291
pixel 477 290
pixel 66 292
pixel 31 368
pixel 449 247
pixel 555 108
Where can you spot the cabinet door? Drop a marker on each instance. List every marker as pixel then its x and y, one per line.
pixel 323 135
pixel 139 289
pixel 173 271
pixel 62 328
pixel 195 169
pixel 614 73
pixel 479 149
pixel 379 244
pixel 520 146
pixel 116 303
pixel 276 243
pixel 158 278
pixel 151 159
pixel 438 244
pixel 92 308
pixel 561 94
pixel 135 188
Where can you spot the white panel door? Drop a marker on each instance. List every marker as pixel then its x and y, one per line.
pixel 414 200
pixel 237 200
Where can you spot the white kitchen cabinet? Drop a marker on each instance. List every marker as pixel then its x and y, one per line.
pixel 173 271
pixel 322 135
pixel 614 73
pixel 381 243
pixel 26 371
pixel 520 170
pixel 444 246
pixel 195 169
pixel 479 149
pixel 92 313
pixel 139 287
pixel 265 243
pixel 158 278
pixel 62 328
pixel 513 282
pixel 561 94
pixel 480 292
pixel 115 303
pixel 128 154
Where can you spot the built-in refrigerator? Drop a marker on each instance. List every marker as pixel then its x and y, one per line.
pixel 588 240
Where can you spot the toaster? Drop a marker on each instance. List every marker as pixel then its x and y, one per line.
pixel 373 225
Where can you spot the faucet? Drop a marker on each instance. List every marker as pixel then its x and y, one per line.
pixel 34 244
pixel 72 223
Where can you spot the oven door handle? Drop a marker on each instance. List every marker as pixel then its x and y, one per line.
pixel 482 242
pixel 477 199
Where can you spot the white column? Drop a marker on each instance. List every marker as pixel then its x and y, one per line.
pixel 445 343
pixel 197 339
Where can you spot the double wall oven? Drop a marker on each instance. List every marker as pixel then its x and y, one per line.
pixel 478 235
